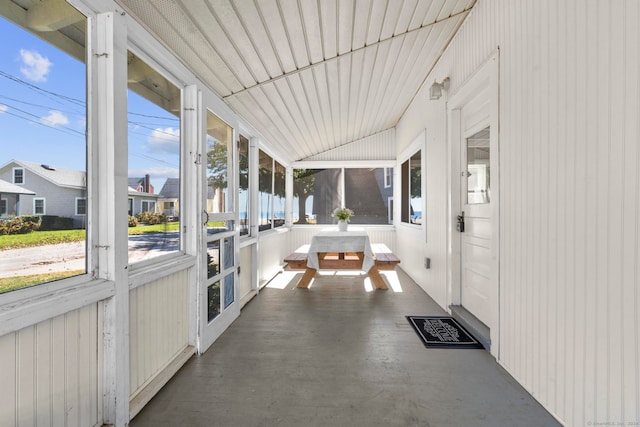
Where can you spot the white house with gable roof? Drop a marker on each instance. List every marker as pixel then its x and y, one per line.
pixel 47 190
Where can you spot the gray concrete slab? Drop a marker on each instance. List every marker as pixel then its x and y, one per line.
pixel 337 355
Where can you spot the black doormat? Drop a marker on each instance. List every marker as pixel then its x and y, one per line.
pixel 442 332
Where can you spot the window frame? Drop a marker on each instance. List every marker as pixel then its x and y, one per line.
pixel 326 164
pixel 13 175
pixel 4 209
pixel 148 202
pixel 85 206
pixel 44 205
pixel 417 145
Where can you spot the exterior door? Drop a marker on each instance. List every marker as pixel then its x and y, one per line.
pixel 475 268
pixel 477 281
pixel 218 297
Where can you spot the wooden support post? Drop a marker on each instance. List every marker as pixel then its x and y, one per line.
pixel 377 279
pixel 309 273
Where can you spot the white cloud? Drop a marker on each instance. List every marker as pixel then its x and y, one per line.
pixel 3 108
pixel 54 118
pixel 34 66
pixel 167 139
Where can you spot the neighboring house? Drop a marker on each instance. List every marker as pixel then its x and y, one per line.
pixel 47 190
pixel 141 196
pixel 168 203
pixel 10 198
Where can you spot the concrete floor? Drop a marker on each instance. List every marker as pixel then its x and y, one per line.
pixel 337 355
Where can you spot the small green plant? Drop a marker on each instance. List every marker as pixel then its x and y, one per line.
pixel 343 214
pixel 151 218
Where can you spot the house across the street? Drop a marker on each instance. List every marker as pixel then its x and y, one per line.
pixel 46 190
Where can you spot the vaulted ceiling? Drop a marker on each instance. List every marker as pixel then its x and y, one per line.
pixel 309 75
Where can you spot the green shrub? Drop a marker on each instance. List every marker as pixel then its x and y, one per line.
pixel 54 222
pixel 19 225
pixel 151 218
pixel 133 222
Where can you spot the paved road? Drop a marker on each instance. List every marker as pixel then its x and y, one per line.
pixel 71 256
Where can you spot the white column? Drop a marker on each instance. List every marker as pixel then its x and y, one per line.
pixel 109 152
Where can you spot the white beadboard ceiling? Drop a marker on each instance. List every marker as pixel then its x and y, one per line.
pixel 309 75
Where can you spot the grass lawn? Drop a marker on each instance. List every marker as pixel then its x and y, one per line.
pixel 13 283
pixel 40 238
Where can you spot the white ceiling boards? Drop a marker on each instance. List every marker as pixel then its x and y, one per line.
pixel 310 75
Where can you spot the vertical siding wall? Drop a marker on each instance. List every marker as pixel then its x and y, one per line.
pixel 570 195
pixel 380 146
pixel 272 248
pixel 49 372
pixel 158 326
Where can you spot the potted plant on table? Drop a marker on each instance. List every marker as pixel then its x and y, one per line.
pixel 343 215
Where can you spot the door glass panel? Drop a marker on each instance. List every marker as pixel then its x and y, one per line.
pixel 415 188
pixel 213 258
pixel 219 140
pixel 228 290
pixel 213 298
pixel 228 253
pixel 478 171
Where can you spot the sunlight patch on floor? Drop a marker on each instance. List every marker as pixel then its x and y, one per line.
pixel 393 280
pixel 282 280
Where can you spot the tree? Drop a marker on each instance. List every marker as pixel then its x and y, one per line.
pixel 303 184
pixel 218 166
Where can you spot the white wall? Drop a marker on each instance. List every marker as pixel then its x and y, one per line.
pixel 49 372
pixel 570 196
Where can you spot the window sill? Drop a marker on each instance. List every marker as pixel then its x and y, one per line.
pixel 26 307
pixel 157 268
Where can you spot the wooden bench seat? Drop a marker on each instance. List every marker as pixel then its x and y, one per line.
pixel 384 259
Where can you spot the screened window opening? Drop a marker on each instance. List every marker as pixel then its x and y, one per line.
pixel 154 162
pixel 244 180
pixel 366 191
pixel 43 117
pixel 411 210
pixel 271 192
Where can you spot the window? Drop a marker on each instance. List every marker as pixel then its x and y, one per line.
pixel 153 107
pixel 148 206
pixel 81 206
pixel 388 177
pixel 243 193
pixel 3 206
pixel 18 176
pixel 367 194
pixel 44 119
pixel 411 209
pixel 271 192
pixel 39 207
pixel 317 192
pixel 130 208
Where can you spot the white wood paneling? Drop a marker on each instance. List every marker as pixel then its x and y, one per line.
pixel 159 322
pixel 380 146
pixel 570 204
pixel 272 248
pixel 278 56
pixel 49 372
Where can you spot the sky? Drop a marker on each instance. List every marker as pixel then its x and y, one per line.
pixel 43 112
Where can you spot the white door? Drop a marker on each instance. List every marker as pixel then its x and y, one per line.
pixel 477 281
pixel 474 130
pixel 219 305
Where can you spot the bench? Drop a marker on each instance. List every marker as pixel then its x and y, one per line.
pixel 384 259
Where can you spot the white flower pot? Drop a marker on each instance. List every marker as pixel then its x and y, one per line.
pixel 342 225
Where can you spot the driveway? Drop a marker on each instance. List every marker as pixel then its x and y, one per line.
pixel 71 256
